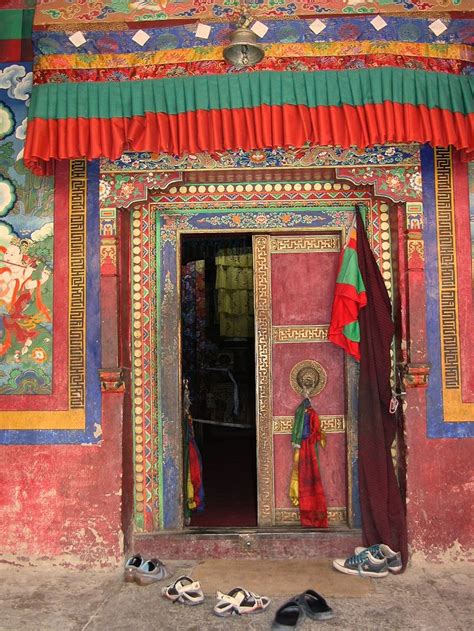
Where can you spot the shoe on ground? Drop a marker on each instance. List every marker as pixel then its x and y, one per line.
pixel 131 566
pixel 150 572
pixel 382 551
pixel 363 564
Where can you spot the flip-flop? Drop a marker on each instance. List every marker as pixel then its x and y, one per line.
pixel 240 601
pixel 185 591
pixel 289 615
pixel 315 606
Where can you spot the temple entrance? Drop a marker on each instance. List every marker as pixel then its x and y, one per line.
pixel 244 374
pixel 218 373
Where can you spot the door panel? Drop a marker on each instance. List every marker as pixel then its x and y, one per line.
pixel 286 354
pixel 294 284
pixel 302 287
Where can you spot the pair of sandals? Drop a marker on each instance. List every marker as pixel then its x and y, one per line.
pixel 238 601
pixel 309 604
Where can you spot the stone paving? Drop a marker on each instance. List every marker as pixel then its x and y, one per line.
pixel 431 597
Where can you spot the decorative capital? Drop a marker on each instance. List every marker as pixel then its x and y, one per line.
pixel 416 375
pixel 112 379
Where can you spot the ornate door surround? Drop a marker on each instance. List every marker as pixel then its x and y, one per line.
pixel 161 205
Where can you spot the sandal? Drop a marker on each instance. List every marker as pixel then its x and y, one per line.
pixel 150 572
pixel 289 615
pixel 184 590
pixel 240 601
pixel 315 606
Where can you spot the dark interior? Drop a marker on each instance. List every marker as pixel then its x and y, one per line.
pixel 218 364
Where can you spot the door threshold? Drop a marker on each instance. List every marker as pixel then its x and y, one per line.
pixel 278 542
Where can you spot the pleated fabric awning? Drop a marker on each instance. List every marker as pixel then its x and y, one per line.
pixel 83 108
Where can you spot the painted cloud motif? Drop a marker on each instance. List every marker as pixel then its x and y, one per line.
pixel 17 81
pixel 20 132
pixel 7 121
pixel 7 196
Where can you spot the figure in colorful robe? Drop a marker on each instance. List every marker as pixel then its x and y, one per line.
pixel 18 290
pixel 306 489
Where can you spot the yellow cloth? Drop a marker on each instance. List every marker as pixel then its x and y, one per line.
pixel 234 284
pixel 294 485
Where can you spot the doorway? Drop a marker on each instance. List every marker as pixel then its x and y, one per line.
pixel 218 376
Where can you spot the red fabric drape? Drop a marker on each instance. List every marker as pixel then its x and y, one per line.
pixel 247 128
pixel 312 501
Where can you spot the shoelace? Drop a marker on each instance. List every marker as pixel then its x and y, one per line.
pixel 375 551
pixel 357 559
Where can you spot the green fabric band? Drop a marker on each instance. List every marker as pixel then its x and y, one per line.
pixel 125 99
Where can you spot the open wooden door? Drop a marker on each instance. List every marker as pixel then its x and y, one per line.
pixel 294 278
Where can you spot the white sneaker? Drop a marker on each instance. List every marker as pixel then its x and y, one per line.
pixel 363 564
pixel 382 551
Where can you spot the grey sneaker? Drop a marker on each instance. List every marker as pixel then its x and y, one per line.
pixel 150 572
pixel 382 551
pixel 131 566
pixel 363 564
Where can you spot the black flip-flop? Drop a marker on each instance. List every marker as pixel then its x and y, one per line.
pixel 289 615
pixel 315 606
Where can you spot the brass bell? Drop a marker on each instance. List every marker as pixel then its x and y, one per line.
pixel 243 49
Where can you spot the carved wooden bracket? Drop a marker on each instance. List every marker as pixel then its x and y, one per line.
pixel 416 375
pixel 112 380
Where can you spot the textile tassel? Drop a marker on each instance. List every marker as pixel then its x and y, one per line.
pixel 194 488
pixel 306 489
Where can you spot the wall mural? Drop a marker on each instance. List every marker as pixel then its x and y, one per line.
pixel 54 11
pixel 26 249
pixel 48 287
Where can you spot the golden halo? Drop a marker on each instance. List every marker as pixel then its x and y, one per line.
pixel 314 370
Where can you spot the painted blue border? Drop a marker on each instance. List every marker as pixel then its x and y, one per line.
pixel 93 394
pixel 436 425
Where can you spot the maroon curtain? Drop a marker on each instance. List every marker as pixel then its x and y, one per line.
pixel 382 508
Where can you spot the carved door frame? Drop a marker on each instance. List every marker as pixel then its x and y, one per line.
pixel 172 227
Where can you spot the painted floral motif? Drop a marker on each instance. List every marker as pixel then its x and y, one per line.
pixel 265 158
pixel 398 183
pixel 53 11
pixel 122 190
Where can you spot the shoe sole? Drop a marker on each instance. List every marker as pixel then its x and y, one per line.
pixel 346 570
pixel 148 580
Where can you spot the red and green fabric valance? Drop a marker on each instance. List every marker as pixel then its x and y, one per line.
pixel 248 111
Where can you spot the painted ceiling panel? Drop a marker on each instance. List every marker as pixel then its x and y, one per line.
pixel 62 11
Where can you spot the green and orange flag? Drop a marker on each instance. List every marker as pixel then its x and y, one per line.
pixel 349 297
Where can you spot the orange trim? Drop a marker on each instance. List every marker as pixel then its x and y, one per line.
pixel 247 128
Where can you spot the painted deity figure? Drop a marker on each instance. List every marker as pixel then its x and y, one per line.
pixel 21 306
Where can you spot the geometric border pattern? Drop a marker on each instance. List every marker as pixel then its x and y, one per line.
pixel 440 270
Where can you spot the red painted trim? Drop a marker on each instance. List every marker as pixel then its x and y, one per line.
pixel 249 128
pixel 15 49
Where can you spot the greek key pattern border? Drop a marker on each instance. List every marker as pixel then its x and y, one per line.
pixel 336 515
pixel 448 290
pixel 316 243
pixel 329 424
pixel 263 327
pixel 77 282
pixel 287 334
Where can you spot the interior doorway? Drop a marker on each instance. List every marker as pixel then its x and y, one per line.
pixel 218 372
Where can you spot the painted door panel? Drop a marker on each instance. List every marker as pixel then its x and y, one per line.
pixel 295 277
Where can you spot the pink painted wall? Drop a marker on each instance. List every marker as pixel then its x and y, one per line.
pixel 64 501
pixel 440 490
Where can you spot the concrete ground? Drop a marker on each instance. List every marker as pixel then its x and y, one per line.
pixel 40 599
